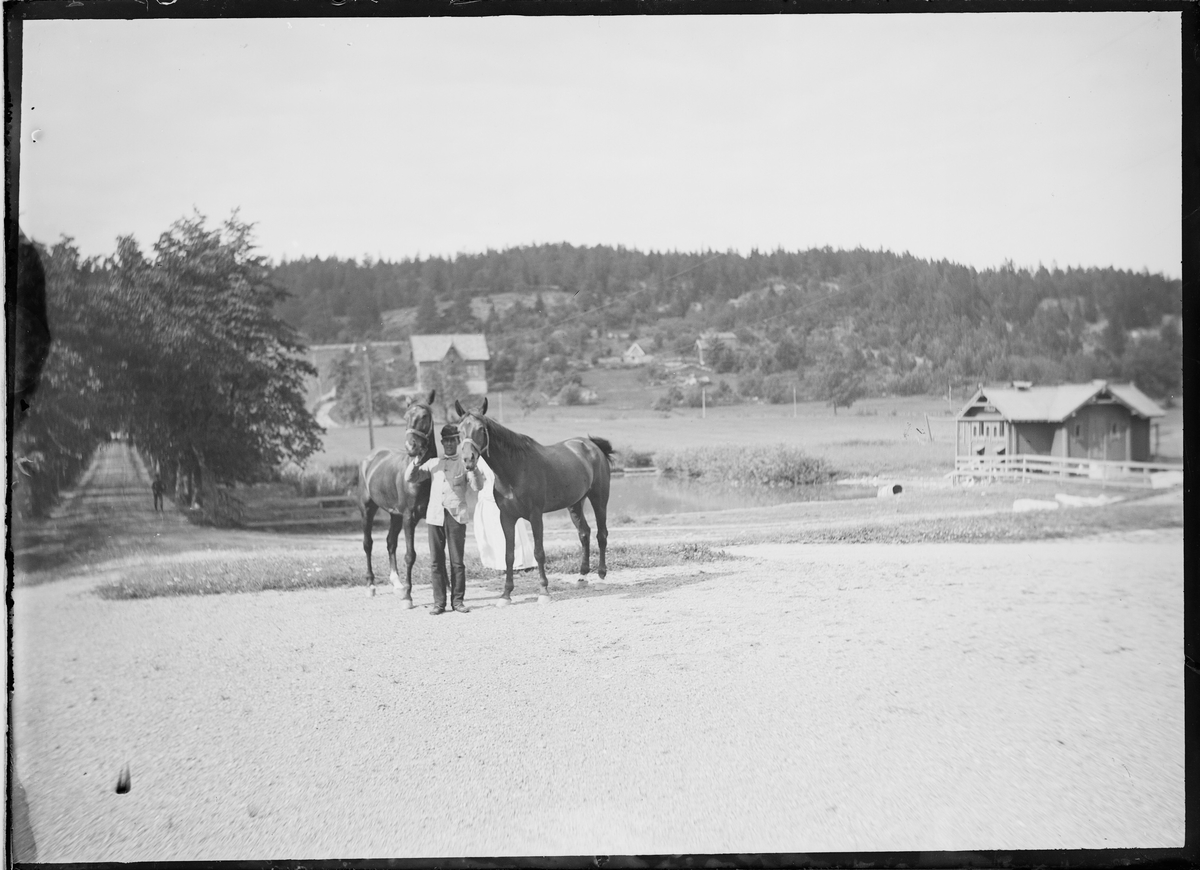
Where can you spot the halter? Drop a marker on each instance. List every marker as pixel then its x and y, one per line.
pixel 423 436
pixel 487 437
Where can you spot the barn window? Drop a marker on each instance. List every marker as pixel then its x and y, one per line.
pixel 1114 428
pixel 1076 430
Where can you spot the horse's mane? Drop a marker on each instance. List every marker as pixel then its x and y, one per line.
pixel 507 439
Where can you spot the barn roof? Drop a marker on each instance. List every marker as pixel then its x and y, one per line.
pixel 433 348
pixel 1055 404
pixel 709 338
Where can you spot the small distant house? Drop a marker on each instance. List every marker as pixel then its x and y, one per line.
pixel 635 356
pixel 1099 421
pixel 709 340
pixel 430 351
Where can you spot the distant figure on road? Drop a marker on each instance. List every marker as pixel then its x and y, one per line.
pixel 157 489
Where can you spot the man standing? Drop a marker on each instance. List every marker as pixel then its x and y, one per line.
pixel 446 518
pixel 157 488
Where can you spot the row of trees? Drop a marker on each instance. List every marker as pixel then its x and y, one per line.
pixel 179 349
pixel 899 323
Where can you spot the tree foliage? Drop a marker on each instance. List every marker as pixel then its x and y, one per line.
pixel 842 383
pixel 925 323
pixel 388 371
pixel 181 350
pixel 449 379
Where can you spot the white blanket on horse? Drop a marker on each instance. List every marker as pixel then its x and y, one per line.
pixel 489 535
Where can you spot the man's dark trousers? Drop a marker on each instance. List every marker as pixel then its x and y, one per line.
pixel 452 535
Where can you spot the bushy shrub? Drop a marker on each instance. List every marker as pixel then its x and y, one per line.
pixel 700 396
pixel 918 382
pixel 778 388
pixel 633 458
pixel 314 482
pixel 571 394
pixel 750 384
pixel 778 465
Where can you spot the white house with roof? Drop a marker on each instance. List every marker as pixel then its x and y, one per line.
pixel 634 355
pixel 430 351
pixel 1097 420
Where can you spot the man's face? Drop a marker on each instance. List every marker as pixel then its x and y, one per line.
pixel 450 446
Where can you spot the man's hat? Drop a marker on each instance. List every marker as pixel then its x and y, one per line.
pixel 449 432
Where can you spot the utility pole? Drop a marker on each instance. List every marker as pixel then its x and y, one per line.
pixel 703 402
pixel 793 401
pixel 370 406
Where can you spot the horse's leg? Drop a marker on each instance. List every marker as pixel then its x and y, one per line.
pixel 509 525
pixel 395 522
pixel 599 500
pixel 410 554
pixel 368 521
pixel 539 553
pixel 585 533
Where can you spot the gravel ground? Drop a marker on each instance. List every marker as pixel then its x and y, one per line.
pixel 801 698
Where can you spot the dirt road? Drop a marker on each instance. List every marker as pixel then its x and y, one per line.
pixel 801 698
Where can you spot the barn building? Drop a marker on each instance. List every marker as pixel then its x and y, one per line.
pixel 711 339
pixel 1097 421
pixel 430 351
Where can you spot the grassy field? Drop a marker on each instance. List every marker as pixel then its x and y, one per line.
pixel 874 437
pixel 250 572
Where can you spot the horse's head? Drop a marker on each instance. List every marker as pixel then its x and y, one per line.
pixel 418 425
pixel 472 429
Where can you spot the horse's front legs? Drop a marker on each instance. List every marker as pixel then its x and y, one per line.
pixel 395 521
pixel 369 520
pixel 539 553
pixel 600 510
pixel 584 531
pixel 410 554
pixel 509 525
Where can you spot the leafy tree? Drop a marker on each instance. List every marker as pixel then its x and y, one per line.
pixel 68 416
pixel 182 351
pixel 428 319
pixel 1154 366
pixel 218 379
pixel 529 402
pixel 449 378
pixel 349 375
pixel 841 385
pixel 722 358
pixel 788 354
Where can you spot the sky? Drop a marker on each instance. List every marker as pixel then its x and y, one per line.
pixel 979 138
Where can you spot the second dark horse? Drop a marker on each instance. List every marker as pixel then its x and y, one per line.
pixel 533 479
pixel 381 484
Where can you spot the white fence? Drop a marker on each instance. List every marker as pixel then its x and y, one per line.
pixel 1032 466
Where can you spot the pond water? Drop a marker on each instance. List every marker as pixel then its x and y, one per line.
pixel 642 495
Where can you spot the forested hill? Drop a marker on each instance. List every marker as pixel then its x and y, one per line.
pixel 907 325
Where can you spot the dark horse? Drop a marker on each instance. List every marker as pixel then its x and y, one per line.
pixel 533 479
pixel 381 484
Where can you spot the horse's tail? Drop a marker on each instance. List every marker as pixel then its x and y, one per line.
pixel 604 445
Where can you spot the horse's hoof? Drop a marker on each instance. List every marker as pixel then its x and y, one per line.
pixel 406 604
pixel 370 591
pixel 503 602
pixel 582 581
pixel 543 599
